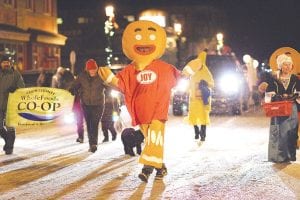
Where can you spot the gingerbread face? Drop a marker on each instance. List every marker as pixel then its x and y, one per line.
pixel 294 54
pixel 143 40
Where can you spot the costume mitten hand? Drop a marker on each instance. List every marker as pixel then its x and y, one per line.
pixel 107 76
pixel 193 66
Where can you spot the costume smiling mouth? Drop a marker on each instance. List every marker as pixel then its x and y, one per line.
pixel 144 49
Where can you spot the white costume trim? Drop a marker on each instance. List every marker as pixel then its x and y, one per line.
pixel 110 78
pixel 152 158
pixel 189 70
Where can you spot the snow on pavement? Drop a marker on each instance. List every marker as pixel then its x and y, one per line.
pixel 231 164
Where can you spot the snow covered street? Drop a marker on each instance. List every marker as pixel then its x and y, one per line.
pixel 231 164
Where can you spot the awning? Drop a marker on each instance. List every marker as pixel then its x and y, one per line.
pixel 8 32
pixel 47 37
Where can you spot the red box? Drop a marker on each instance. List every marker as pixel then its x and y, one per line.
pixel 278 108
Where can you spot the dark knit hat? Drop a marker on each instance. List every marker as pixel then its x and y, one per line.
pixel 91 64
pixel 4 58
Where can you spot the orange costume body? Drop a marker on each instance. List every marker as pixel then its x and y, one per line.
pixel 147 92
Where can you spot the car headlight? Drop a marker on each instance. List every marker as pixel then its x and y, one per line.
pixel 230 83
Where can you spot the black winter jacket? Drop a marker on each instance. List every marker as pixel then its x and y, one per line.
pixel 10 80
pixel 90 89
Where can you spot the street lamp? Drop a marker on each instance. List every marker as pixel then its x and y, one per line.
pixel 178 31
pixel 247 58
pixel 220 44
pixel 109 27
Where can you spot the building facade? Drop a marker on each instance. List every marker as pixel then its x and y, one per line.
pixel 84 27
pixel 29 33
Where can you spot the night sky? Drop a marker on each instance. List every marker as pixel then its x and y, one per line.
pixel 256 27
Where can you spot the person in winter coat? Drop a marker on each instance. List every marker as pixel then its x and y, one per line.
pixel 57 77
pixel 111 110
pixel 201 83
pixel 284 130
pixel 91 91
pixel 10 80
pixel 41 80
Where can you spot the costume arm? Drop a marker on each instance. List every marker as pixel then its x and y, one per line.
pixel 195 65
pixel 191 68
pixel 107 76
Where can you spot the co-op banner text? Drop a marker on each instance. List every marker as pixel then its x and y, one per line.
pixel 37 106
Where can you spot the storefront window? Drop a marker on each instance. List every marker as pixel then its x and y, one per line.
pixel 48 6
pixel 30 5
pixel 11 3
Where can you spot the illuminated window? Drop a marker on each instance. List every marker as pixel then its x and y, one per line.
pixel 82 20
pixel 154 15
pixel 30 4
pixel 48 6
pixel 11 3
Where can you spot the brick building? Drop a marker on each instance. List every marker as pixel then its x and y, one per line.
pixel 28 31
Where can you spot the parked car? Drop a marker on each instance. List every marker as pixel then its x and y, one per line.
pixel 226 96
pixel 180 100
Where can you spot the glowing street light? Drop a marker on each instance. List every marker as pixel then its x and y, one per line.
pixel 220 36
pixel 109 27
pixel 255 63
pixel 109 11
pixel 177 28
pixel 178 31
pixel 220 44
pixel 247 58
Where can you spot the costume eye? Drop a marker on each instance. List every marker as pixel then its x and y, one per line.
pixel 152 37
pixel 138 37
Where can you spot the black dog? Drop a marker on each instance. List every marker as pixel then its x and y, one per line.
pixel 132 138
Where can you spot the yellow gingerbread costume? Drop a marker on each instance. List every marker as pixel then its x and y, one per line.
pixel 146 84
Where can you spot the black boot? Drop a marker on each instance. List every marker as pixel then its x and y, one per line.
pixel 105 134
pixel 9 140
pixel 197 132
pixel 146 171
pixel 203 132
pixel 160 173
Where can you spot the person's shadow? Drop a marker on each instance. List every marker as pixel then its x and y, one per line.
pixel 158 188
pixel 287 170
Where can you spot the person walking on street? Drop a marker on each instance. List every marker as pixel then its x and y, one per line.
pixel 201 83
pixel 111 109
pixel 10 80
pixel 56 78
pixel 283 129
pixel 41 80
pixel 79 117
pixel 66 81
pixel 91 91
